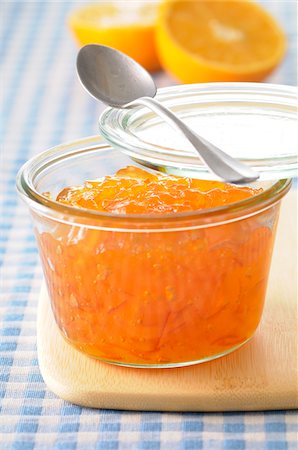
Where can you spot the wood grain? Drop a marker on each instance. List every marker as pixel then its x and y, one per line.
pixel 262 375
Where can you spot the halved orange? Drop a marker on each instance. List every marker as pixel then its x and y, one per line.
pixel 124 25
pixel 218 40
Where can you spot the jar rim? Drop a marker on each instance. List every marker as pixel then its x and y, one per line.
pixel 34 166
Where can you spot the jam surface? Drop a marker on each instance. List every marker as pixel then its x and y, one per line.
pixel 162 297
pixel 136 191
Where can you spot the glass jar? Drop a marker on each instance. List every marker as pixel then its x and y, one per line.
pixel 148 291
pixel 254 122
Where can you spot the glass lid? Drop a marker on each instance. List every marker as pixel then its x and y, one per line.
pixel 256 123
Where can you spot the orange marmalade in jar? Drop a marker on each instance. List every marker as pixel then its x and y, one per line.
pixel 151 270
pixel 158 297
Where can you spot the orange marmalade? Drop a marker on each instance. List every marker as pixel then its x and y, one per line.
pixel 158 298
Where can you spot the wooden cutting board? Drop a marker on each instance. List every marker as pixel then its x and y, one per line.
pixel 262 375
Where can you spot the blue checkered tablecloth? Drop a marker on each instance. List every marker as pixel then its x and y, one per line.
pixel 43 104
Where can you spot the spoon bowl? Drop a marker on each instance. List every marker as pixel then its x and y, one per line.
pixel 118 81
pixel 113 77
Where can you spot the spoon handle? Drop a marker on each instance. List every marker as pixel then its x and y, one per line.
pixel 221 164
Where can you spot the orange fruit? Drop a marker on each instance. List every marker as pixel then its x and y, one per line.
pixel 206 40
pixel 126 26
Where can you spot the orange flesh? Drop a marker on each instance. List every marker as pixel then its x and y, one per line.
pixel 231 32
pixel 161 297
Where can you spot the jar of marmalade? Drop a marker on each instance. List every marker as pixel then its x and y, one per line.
pixel 157 285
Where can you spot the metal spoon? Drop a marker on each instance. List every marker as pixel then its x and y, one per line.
pixel 117 80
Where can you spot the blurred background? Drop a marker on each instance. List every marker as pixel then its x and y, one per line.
pixel 43 103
